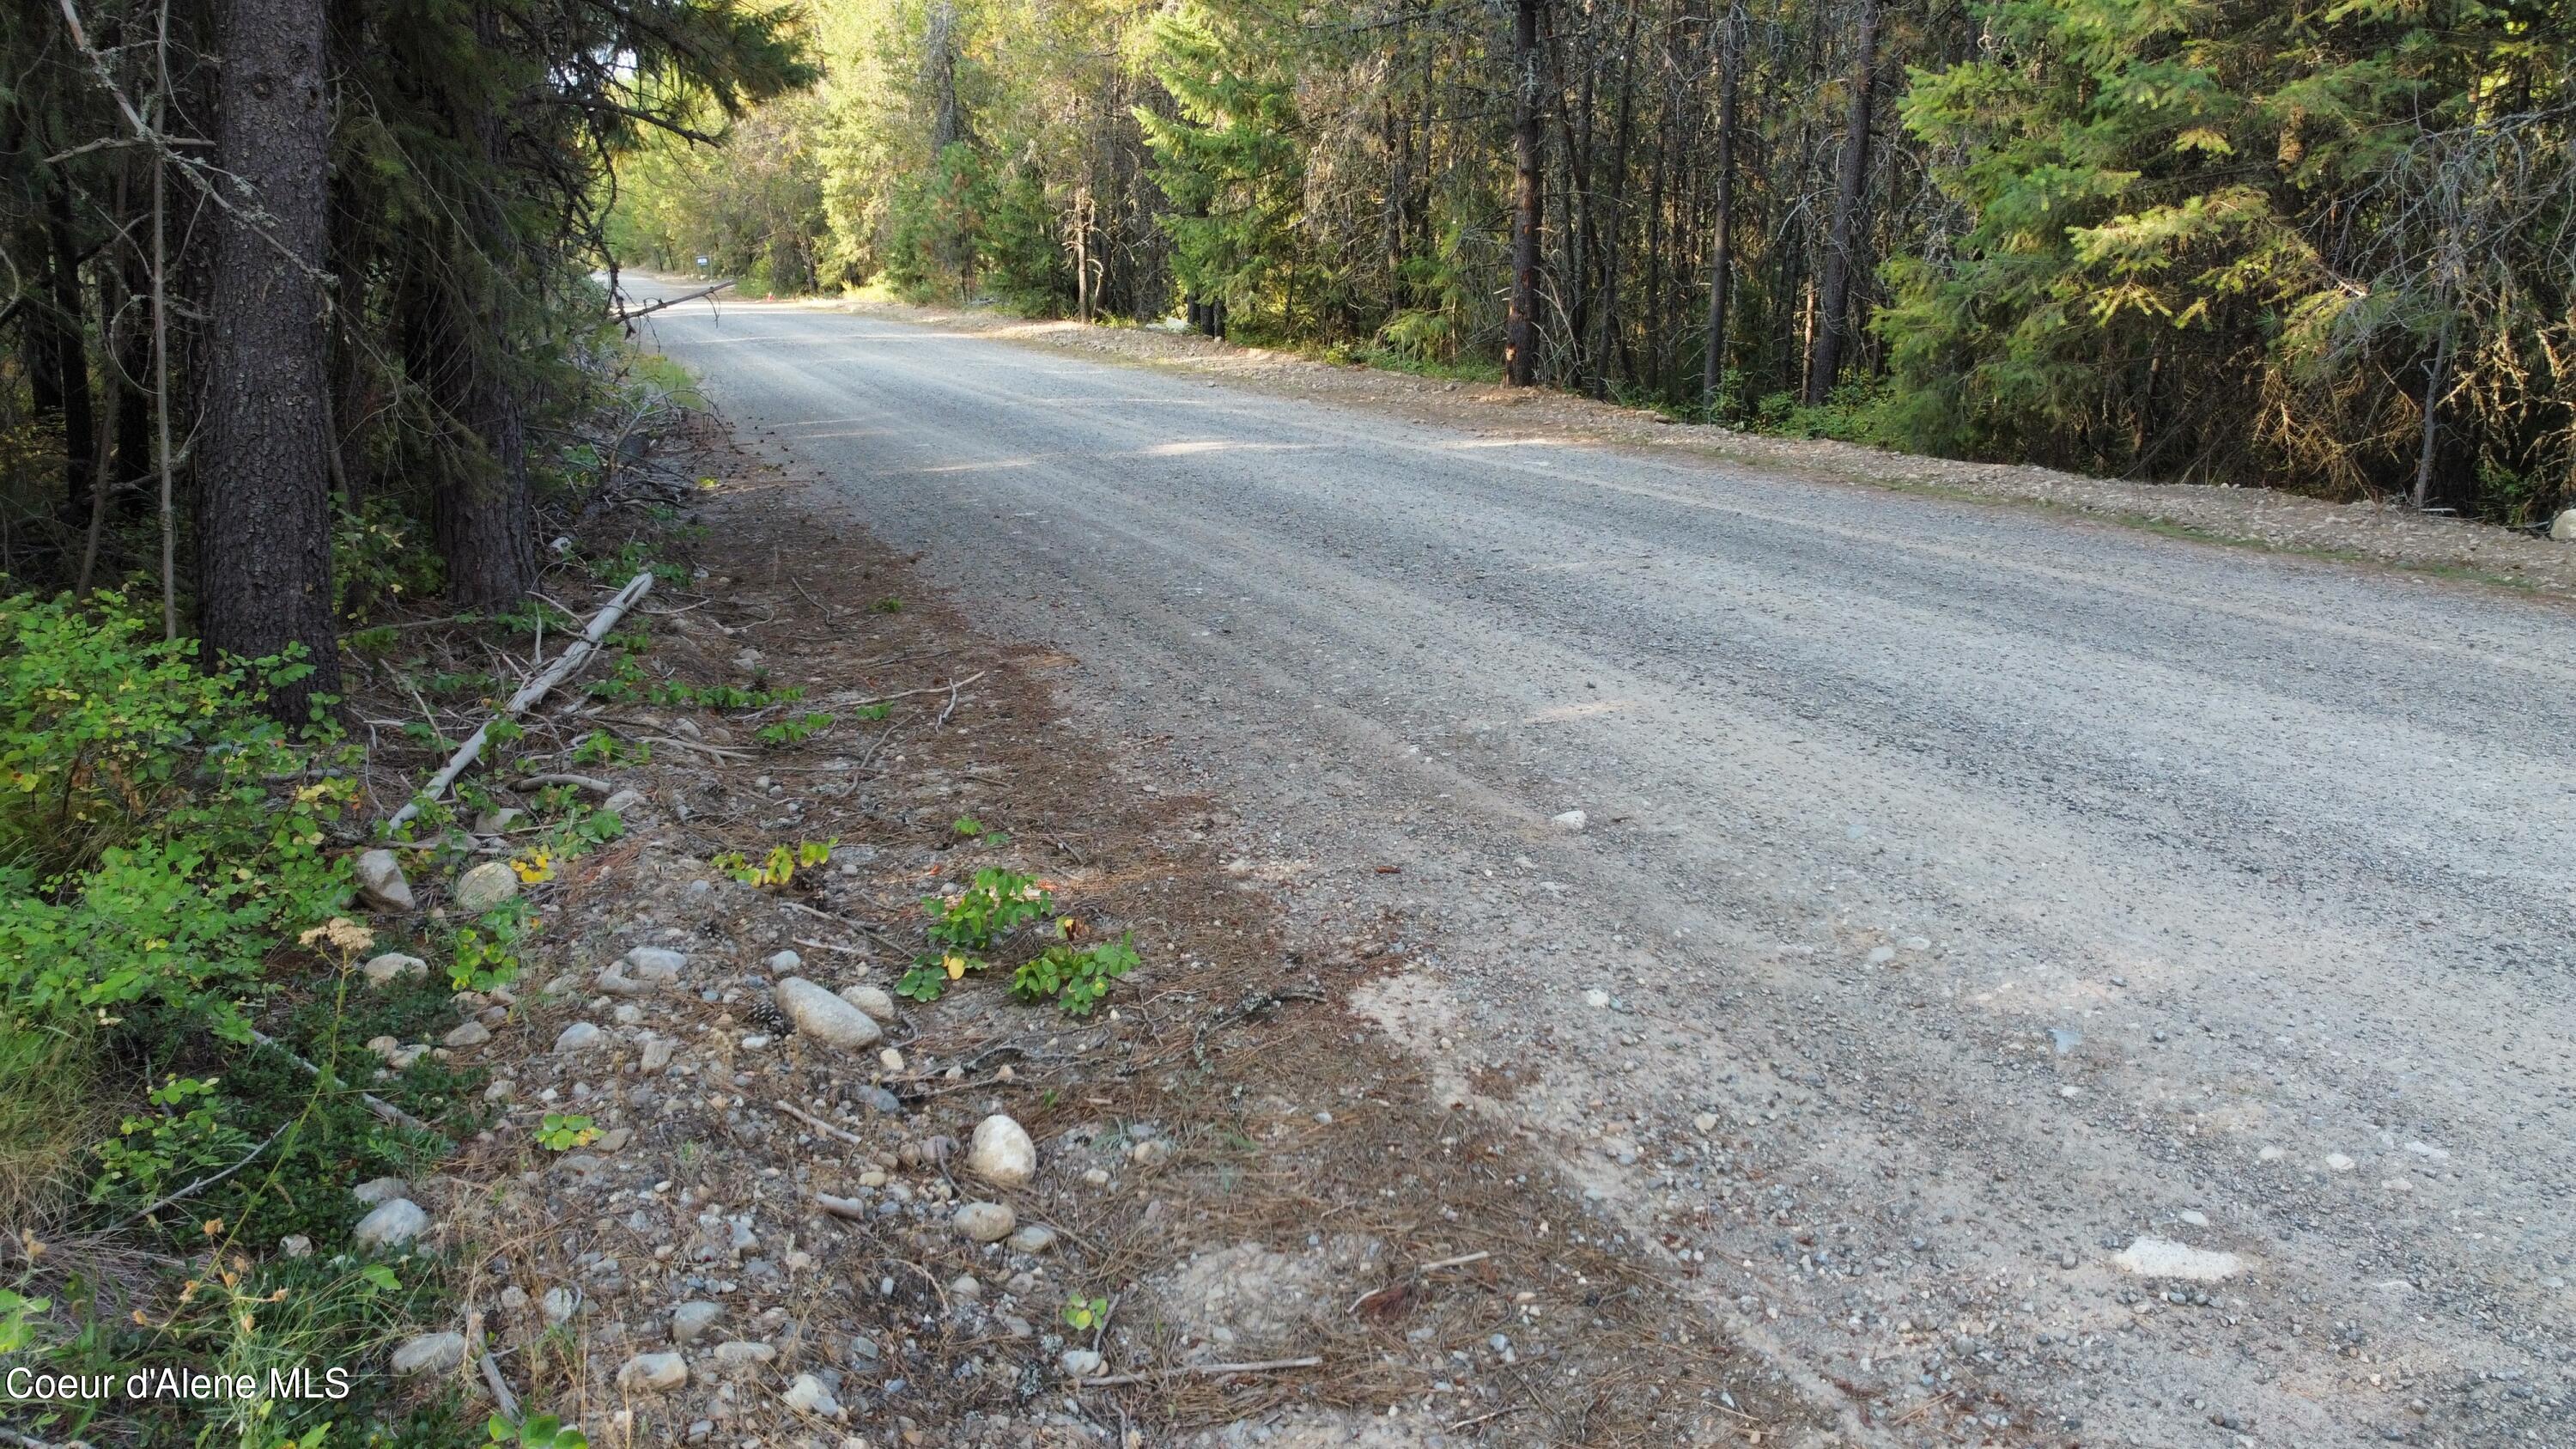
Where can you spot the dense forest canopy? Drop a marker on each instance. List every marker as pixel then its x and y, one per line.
pixel 2318 245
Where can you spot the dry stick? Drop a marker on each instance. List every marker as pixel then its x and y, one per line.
pixel 949 689
pixel 625 317
pixel 378 1105
pixel 592 784
pixel 819 1125
pixel 501 1395
pixel 537 689
pixel 1201 1370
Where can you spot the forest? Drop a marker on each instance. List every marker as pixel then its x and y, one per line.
pixel 2318 246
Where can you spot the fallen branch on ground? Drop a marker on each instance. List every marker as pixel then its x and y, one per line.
pixel 536 690
pixel 1199 1370
pixel 819 1125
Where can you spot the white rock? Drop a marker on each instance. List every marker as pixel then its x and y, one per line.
pixel 559 1304
pixel 468 1034
pixel 392 966
pixel 380 881
pixel 823 1016
pixel 1081 1363
pixel 1706 1122
pixel 581 1036
pixel 429 1353
pixel 690 1321
pixel 486 886
pixel 785 962
pixel 1002 1153
pixel 890 1059
pixel 2337 1162
pixel 2563 528
pixel 808 1396
pixel 380 1189
pixel 296 1245
pixel 495 822
pixel 392 1224
pixel 735 1355
pixel 624 802
pixel 986 1222
pixel 869 999
pixel 654 963
pixel 1034 1238
pixel 2165 1258
pixel 657 1052
pixel 1597 999
pixel 657 1371
pixel 2194 1219
pixel 1571 822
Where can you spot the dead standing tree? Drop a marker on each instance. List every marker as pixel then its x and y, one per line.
pixel 1851 190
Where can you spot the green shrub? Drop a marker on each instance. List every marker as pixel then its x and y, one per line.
pixel 158 835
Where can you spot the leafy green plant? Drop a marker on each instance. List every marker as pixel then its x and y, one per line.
pixel 887 605
pixel 968 825
pixel 486 954
pixel 158 835
pixel 793 730
pixel 779 868
pixel 186 1134
pixel 562 1132
pixel 1084 1314
pixel 1075 977
pixel 928 979
pixel 872 711
pixel 599 747
pixel 537 1431
pixel 16 1332
pixel 994 904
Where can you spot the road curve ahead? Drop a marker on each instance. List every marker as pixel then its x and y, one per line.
pixel 1963 895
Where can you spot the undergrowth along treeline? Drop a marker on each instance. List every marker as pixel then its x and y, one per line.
pixel 299 350
pixel 2327 246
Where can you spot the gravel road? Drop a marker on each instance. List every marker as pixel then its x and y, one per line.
pixel 1962 895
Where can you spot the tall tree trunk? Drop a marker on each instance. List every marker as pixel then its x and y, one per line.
pixel 1851 188
pixel 1612 328
pixel 263 506
pixel 482 518
pixel 1520 336
pixel 1721 262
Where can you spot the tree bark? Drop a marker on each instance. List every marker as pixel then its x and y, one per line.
pixel 1851 188
pixel 1721 265
pixel 1520 337
pixel 482 517
pixel 263 506
pixel 2434 381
